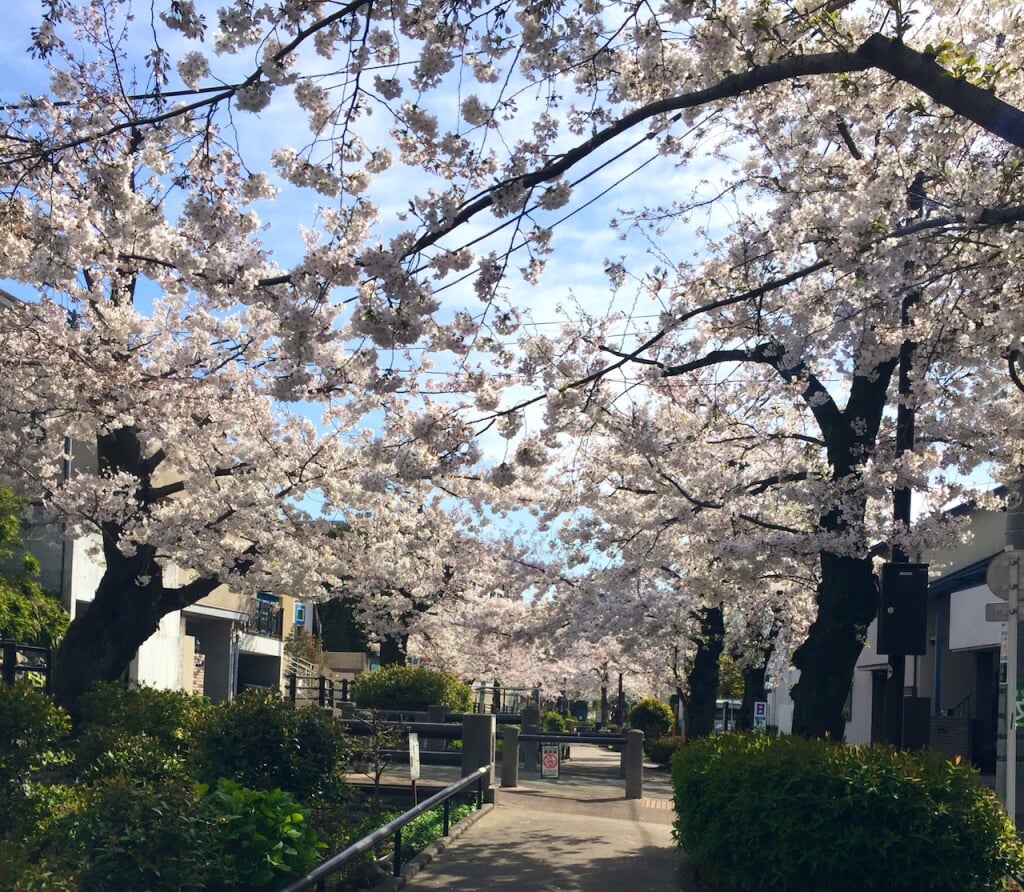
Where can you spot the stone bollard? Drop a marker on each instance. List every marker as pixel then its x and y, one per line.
pixel 478 748
pixel 531 725
pixel 634 764
pixel 510 757
pixel 436 715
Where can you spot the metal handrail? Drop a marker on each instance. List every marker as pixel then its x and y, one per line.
pixel 367 843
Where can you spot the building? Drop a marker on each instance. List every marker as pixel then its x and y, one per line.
pixel 218 646
pixel 952 691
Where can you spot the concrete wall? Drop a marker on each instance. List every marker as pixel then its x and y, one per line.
pixel 158 662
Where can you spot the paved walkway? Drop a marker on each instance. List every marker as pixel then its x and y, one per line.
pixel 573 833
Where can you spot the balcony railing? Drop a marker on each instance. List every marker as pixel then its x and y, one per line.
pixel 265 620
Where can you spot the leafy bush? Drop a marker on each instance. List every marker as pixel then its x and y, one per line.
pixel 118 833
pixel 763 813
pixel 265 743
pixel 32 733
pixel 263 836
pixel 552 721
pixel 123 833
pixel 428 827
pixel 652 716
pixel 139 731
pixel 406 687
pixel 662 749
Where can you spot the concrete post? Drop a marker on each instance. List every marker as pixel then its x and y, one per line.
pixel 1007 775
pixel 478 744
pixel 510 756
pixel 435 715
pixel 634 764
pixel 531 725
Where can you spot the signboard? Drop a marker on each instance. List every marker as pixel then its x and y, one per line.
pixel 414 756
pixel 1018 709
pixel 760 714
pixel 549 760
pixel 998 574
pixel 997 612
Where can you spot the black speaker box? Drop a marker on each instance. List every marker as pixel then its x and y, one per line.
pixel 902 617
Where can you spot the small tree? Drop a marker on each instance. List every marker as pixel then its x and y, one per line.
pixel 406 687
pixel 651 716
pixel 29 614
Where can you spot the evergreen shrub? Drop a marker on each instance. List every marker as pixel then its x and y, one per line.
pixel 661 750
pixel 412 688
pixel 553 722
pixel 652 716
pixel 785 813
pixel 139 731
pixel 33 735
pixel 33 732
pixel 168 836
pixel 263 742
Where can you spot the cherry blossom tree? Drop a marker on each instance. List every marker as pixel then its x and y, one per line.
pixel 868 196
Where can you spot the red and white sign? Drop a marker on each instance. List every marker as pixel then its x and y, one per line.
pixel 549 760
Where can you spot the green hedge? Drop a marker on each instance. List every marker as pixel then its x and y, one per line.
pixel 266 743
pixel 170 836
pixel 406 687
pixel 762 813
pixel 652 716
pixel 663 749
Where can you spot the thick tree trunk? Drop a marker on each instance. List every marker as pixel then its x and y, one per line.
pixel 703 676
pixel 847 603
pixel 101 643
pixel 130 599
pixel 394 650
pixel 753 690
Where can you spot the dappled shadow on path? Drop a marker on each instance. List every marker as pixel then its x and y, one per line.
pixel 548 859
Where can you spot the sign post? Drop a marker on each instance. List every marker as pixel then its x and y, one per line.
pixel 760 714
pixel 1003 578
pixel 549 760
pixel 414 762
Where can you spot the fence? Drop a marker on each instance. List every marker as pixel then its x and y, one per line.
pixel 326 692
pixel 318 876
pixel 24 661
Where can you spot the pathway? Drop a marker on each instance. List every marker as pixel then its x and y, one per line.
pixel 573 833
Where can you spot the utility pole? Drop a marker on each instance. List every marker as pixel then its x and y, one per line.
pixel 902 620
pixel 901 506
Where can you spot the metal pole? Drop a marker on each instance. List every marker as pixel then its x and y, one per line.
pixel 901 513
pixel 1011 690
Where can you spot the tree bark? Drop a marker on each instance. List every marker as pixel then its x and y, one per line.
pixel 847 603
pixel 394 650
pixel 703 676
pixel 753 690
pixel 131 597
pixel 102 641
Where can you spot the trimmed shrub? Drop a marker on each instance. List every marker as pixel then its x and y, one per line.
pixel 170 836
pixel 652 716
pixel 762 813
pixel 138 731
pixel 662 750
pixel 32 732
pixel 265 743
pixel 412 688
pixel 553 721
pixel 263 837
